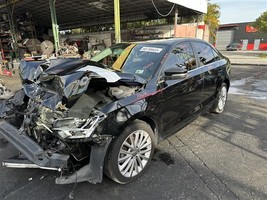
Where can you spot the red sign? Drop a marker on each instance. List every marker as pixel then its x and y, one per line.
pixel 251 29
pixel 201 27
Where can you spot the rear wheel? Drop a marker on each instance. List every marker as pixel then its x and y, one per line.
pixel 131 153
pixel 221 99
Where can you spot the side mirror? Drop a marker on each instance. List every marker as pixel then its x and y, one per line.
pixel 175 72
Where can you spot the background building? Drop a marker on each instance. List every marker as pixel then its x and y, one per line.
pixel 243 33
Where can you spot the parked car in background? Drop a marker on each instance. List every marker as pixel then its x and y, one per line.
pixel 83 118
pixel 234 47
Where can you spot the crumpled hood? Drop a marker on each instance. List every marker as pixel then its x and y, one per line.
pixel 43 70
pixel 32 70
pixel 51 81
pixel 66 66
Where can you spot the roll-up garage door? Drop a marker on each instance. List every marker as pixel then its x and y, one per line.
pixel 224 38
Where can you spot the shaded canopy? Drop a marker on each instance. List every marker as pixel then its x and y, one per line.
pixel 82 13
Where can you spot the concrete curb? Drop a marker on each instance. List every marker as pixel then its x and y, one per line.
pixel 251 64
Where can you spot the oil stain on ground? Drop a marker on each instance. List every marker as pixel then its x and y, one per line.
pixel 163 157
pixel 3 143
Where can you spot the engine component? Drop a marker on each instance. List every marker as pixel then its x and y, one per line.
pixel 122 91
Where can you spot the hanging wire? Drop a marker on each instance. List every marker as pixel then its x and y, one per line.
pixel 160 12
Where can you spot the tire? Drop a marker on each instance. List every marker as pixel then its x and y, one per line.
pixel 221 99
pixel 131 153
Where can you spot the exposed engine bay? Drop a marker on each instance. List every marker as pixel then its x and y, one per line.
pixel 61 109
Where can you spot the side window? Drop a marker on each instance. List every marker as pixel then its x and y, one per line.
pixel 205 53
pixel 216 55
pixel 182 55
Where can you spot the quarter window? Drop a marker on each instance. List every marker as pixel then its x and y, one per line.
pixel 182 56
pixel 205 53
pixel 216 55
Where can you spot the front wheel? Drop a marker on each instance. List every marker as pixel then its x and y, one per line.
pixel 131 153
pixel 221 99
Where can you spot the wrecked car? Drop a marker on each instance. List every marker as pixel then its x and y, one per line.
pixel 86 118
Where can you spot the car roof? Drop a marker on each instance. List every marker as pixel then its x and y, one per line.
pixel 170 41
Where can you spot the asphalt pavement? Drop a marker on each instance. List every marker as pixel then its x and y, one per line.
pixel 216 157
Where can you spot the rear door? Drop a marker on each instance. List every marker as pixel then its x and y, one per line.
pixel 181 95
pixel 209 61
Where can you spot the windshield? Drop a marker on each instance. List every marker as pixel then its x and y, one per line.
pixel 143 60
pixel 137 59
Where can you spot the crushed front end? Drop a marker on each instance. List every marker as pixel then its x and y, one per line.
pixel 56 122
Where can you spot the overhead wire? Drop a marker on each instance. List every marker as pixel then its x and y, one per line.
pixel 163 15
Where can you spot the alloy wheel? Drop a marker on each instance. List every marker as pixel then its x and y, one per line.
pixel 222 98
pixel 134 153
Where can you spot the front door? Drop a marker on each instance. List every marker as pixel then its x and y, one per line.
pixel 257 44
pixel 245 44
pixel 182 94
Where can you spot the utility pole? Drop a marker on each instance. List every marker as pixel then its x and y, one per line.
pixel 117 21
pixel 52 4
pixel 175 21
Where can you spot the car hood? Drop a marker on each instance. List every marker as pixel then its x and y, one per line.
pixel 49 82
pixel 63 67
pixel 32 71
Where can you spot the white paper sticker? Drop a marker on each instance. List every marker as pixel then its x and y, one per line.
pixel 151 49
pixel 139 71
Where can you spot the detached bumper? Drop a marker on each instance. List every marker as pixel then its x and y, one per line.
pixel 37 157
pixel 34 153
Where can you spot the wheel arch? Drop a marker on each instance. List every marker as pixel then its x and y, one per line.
pixel 152 124
pixel 111 167
pixel 133 114
pixel 227 82
pixel 142 116
pixel 221 81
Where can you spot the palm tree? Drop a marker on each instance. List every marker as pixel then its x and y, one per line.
pixel 212 19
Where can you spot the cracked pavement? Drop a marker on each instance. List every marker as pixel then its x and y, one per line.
pixel 215 157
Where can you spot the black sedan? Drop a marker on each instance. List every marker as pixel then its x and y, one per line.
pixel 85 118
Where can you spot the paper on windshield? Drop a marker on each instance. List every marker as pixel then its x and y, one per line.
pixel 151 49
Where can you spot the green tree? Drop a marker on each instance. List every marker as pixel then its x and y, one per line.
pixel 212 19
pixel 261 22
